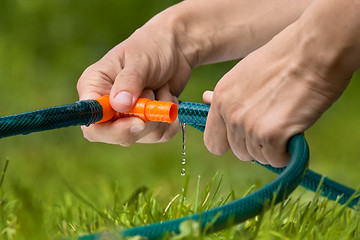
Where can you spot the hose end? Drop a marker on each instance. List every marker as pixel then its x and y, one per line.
pixel 108 111
pixel 156 111
pixel 145 109
pixel 161 111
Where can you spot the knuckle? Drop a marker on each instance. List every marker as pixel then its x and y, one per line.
pixel 124 141
pixel 130 78
pixel 159 136
pixel 215 149
pixel 164 137
pixel 279 163
pixel 219 92
pixel 243 156
pixel 89 71
pixel 125 138
pixel 234 118
pixel 269 134
pixel 222 87
pixel 133 76
pixel 158 133
pixel 169 132
pixel 126 144
pixel 88 136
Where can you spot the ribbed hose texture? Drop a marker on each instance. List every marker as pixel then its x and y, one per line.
pixel 236 211
pixel 195 114
pixel 296 172
pixel 79 113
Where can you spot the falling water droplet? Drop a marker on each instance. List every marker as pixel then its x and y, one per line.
pixel 253 161
pixel 183 128
pixel 183 153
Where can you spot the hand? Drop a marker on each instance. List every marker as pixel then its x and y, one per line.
pixel 160 55
pixel 276 92
pixel 148 64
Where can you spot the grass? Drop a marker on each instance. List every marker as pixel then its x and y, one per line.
pixel 293 218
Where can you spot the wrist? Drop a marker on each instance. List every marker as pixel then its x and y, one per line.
pixel 191 36
pixel 330 41
pixel 221 30
pixel 171 26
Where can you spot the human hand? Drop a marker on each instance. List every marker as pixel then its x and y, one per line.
pixel 148 64
pixel 278 91
pixel 160 55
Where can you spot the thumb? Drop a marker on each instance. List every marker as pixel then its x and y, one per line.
pixel 128 86
pixel 207 96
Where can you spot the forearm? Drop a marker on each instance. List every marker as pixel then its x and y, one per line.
pixel 330 38
pixel 218 30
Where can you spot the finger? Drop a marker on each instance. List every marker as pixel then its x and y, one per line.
pixel 255 150
pixel 124 131
pixel 215 135
pixel 93 84
pixel 161 132
pixel 147 93
pixel 238 145
pixel 128 86
pixel 207 96
pixel 170 130
pixel 276 154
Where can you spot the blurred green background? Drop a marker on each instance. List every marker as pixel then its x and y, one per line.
pixel 44 48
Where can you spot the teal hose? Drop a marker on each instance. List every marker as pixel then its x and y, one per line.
pixel 79 113
pixel 289 178
pixel 236 211
pixel 194 114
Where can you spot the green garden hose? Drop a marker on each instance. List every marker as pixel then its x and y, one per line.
pixel 195 114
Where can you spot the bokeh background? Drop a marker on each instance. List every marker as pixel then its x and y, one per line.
pixel 44 48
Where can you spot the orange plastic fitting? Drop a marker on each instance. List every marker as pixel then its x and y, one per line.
pixel 145 109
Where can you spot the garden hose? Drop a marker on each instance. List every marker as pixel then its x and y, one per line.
pixel 87 112
pixel 84 112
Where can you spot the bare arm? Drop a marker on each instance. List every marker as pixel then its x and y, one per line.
pixel 284 87
pixel 157 59
pixel 219 30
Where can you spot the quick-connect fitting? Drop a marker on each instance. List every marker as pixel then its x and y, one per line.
pixel 145 109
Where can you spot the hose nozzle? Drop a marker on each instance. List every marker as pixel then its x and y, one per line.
pixel 145 109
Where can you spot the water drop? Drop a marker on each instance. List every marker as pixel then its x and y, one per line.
pixel 182 172
pixel 253 161
pixel 183 153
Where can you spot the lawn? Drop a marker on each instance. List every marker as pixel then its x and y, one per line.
pixel 59 185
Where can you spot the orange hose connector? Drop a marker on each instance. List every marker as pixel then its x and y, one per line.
pixel 145 109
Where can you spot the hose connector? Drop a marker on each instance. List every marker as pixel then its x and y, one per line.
pixel 145 109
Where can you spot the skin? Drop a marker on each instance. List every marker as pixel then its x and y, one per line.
pixel 280 88
pixel 255 112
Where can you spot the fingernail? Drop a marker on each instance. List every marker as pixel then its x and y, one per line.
pixel 124 98
pixel 136 129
